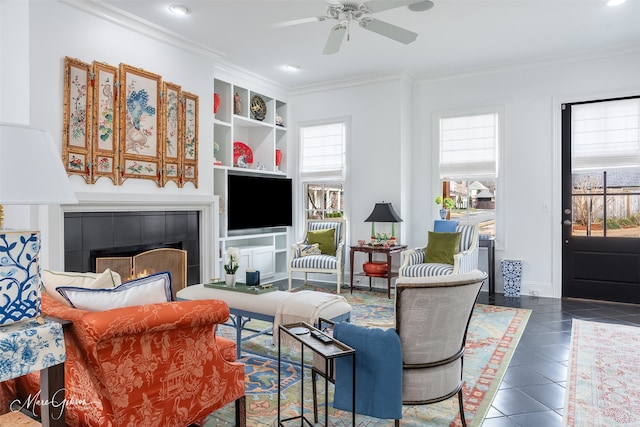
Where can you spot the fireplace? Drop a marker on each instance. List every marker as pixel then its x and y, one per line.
pixel 92 235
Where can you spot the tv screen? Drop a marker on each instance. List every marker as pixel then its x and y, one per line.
pixel 258 202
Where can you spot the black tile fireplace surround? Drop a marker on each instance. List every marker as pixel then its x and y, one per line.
pixel 91 234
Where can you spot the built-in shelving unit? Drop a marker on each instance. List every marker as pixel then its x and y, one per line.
pixel 235 122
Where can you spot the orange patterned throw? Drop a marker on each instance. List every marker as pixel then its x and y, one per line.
pixel 149 365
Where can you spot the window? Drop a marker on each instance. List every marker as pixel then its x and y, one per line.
pixel 605 168
pixel 322 169
pixel 468 165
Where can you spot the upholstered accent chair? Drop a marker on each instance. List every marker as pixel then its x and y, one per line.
pixel 432 315
pixel 464 261
pixel 331 258
pixel 149 365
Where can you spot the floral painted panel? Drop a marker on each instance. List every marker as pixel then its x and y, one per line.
pixel 172 132
pixel 105 127
pixel 190 162
pixel 29 346
pixel 140 124
pixel 78 92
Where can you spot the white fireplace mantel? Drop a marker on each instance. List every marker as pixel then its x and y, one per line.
pixel 121 202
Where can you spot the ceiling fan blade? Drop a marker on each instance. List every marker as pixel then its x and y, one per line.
pixel 380 5
pixel 335 39
pixel 388 30
pixel 298 21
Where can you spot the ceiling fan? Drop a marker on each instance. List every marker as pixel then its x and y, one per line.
pixel 346 12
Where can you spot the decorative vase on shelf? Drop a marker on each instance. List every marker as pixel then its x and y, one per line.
pixel 278 159
pixel 230 280
pixel 216 102
pixel 443 213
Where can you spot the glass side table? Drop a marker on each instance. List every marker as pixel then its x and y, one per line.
pixel 328 351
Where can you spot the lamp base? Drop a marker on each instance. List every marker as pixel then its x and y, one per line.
pixel 19 275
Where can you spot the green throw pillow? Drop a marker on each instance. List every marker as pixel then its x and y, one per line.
pixel 325 238
pixel 441 247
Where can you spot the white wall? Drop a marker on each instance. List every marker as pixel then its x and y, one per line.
pixel 529 171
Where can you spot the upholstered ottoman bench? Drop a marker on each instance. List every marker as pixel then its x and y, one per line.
pixel 278 307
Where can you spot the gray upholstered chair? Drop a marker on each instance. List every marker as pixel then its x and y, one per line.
pixel 464 261
pixel 432 315
pixel 323 263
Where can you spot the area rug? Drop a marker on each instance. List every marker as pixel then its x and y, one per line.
pixel 492 338
pixel 603 381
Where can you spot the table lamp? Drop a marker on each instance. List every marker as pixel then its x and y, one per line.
pixel 383 212
pixel 31 173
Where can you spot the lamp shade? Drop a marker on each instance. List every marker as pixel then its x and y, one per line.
pixel 31 170
pixel 383 212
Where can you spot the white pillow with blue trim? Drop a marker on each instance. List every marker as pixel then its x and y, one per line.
pixel 146 290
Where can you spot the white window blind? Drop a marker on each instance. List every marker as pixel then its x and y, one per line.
pixel 469 146
pixel 322 152
pixel 605 134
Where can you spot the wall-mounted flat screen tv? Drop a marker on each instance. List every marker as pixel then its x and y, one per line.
pixel 258 202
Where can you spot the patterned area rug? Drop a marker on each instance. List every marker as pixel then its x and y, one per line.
pixel 603 383
pixel 493 335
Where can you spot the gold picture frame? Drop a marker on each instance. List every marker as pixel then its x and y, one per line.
pixel 141 149
pixel 104 134
pixel 76 138
pixel 172 118
pixel 190 137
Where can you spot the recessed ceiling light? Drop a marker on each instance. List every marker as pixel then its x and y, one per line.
pixel 615 2
pixel 292 67
pixel 179 10
pixel 421 6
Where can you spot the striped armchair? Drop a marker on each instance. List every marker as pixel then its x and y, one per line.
pixel 333 264
pixel 464 261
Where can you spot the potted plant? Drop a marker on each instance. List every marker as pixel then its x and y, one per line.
pixel 446 204
pixel 232 262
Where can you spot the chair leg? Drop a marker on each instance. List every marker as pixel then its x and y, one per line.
pixel 314 377
pixel 241 411
pixel 461 405
pixel 397 423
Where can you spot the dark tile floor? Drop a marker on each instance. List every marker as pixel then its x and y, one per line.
pixel 532 391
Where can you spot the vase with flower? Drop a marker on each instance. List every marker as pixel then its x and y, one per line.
pixel 445 204
pixel 232 262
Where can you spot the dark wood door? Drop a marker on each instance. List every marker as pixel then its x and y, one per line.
pixel 601 202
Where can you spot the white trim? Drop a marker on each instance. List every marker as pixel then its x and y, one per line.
pixel 112 202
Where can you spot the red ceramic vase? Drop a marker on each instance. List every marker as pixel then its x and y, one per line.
pixel 278 157
pixel 216 102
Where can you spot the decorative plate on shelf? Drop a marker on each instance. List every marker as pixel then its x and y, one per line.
pixel 242 154
pixel 258 108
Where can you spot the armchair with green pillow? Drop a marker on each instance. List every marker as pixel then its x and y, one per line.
pixel 445 253
pixel 325 237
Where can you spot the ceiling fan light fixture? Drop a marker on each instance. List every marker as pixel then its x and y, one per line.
pixel 179 10
pixel 421 6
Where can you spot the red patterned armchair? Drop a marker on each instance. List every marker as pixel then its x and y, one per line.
pixel 149 365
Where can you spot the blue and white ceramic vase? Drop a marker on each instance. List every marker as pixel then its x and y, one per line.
pixel 511 276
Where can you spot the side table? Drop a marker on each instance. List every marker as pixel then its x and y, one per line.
pixel 328 351
pixel 369 249
pixel 490 243
pixel 28 337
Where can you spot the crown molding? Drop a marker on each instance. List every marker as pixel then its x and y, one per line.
pixel 126 20
pixel 402 75
pixel 528 65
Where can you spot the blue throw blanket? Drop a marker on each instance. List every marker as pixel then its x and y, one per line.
pixel 378 371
